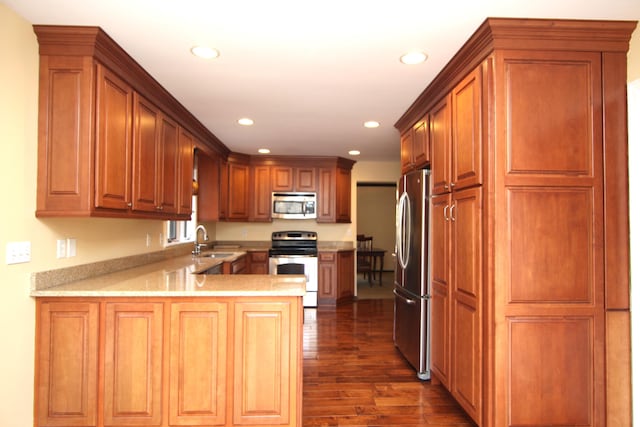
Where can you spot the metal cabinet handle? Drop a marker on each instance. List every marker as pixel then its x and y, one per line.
pixel 407 301
pixel 453 218
pixel 446 218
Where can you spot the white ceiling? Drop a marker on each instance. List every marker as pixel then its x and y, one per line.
pixel 309 73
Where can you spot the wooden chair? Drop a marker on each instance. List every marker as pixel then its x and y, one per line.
pixel 365 256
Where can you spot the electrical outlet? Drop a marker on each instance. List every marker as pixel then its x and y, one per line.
pixel 18 252
pixel 61 248
pixel 148 239
pixel 71 248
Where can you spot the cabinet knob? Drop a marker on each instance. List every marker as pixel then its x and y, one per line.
pixel 129 204
pixel 452 185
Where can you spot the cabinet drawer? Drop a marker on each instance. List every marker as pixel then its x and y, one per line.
pixel 261 256
pixel 326 256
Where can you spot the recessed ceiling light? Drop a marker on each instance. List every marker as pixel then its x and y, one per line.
pixel 413 58
pixel 354 152
pixel 205 52
pixel 264 151
pixel 245 121
pixel 371 124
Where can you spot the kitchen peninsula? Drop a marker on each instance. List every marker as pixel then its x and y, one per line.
pixel 162 345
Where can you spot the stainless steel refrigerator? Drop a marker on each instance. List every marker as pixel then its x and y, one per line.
pixel 412 298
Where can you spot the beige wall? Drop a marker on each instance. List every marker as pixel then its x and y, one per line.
pixel 97 239
pixel 377 218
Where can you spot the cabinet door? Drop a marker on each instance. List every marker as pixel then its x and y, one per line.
pixel 466 140
pixel 209 188
pixel 258 262
pixel 265 363
pixel 67 364
pixel 326 195
pixel 198 364
pixel 420 151
pixel 169 166
pixel 282 178
pixel 440 140
pixel 305 179
pixel 147 125
pixel 327 278
pixel 261 197
pixel 406 151
pixel 343 195
pixel 238 192
pixel 185 172
pixel 223 212
pixel 346 275
pixel 466 273
pixel 133 364
pixel 113 141
pixel 440 289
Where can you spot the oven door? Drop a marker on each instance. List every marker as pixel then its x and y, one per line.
pixel 299 264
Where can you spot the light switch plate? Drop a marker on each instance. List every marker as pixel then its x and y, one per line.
pixel 18 252
pixel 71 248
pixel 61 248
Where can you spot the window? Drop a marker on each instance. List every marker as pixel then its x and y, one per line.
pixel 183 231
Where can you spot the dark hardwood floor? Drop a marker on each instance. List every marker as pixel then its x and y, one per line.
pixel 354 376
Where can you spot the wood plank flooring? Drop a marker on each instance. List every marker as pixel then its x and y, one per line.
pixel 354 376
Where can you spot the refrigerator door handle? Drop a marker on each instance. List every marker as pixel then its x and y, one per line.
pixel 406 300
pixel 404 225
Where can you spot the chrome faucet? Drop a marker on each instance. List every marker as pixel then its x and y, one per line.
pixel 196 250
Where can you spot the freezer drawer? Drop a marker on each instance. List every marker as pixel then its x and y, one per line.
pixel 410 333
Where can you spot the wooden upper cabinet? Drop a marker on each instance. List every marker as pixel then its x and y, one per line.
pixel 238 191
pixel 186 145
pixel 290 178
pixel 466 139
pixel 108 133
pixel 414 147
pixel 260 199
pixel 455 137
pixel 343 195
pixel 145 154
pixel 113 141
pixel 406 151
pixel 440 137
pixel 155 159
pixel 168 182
pixel 67 364
pixel 209 187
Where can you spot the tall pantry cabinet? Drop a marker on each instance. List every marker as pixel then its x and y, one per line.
pixel 530 269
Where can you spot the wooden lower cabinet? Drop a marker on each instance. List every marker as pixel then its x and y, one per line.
pixel 198 364
pixel 169 362
pixel 336 277
pixel 66 364
pixel 258 262
pixel 133 364
pixel 265 388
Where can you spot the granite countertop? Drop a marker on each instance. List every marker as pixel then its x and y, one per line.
pixel 180 276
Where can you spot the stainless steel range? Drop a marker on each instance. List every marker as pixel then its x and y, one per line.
pixel 296 252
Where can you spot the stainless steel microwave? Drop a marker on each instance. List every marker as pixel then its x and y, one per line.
pixel 293 205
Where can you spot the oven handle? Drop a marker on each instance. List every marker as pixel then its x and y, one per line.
pixel 293 256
